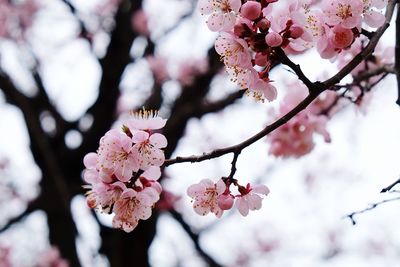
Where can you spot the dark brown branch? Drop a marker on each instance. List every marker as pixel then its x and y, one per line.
pixel 388 188
pixel 195 238
pixel 84 32
pixel 371 207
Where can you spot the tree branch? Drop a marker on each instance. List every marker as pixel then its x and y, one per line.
pixel 371 207
pixel 389 187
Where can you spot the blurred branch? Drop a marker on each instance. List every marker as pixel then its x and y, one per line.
pixel 371 207
pixel 55 192
pixel 195 238
pixel 84 32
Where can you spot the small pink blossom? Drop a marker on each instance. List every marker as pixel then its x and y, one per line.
pixel 345 12
pixel 115 155
pixel 250 199
pixel 234 51
pixel 205 195
pixel 145 120
pixel 222 13
pixel 147 149
pixel 134 206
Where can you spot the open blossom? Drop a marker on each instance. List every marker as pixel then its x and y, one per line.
pixel 115 155
pixel 234 51
pixel 148 149
pixel 145 120
pixel 222 13
pixel 205 195
pixel 250 199
pixel 346 12
pixel 134 206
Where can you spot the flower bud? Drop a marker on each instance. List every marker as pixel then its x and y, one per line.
pixel 225 201
pixel 273 39
pixel 251 10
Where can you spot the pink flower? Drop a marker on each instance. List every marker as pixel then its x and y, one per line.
pixel 145 120
pixel 115 155
pixel 103 196
pixel 205 195
pixel 188 71
pixel 342 37
pixel 345 12
pixel 134 206
pixel 234 51
pixel 223 13
pixel 251 10
pixel 249 198
pixel 147 149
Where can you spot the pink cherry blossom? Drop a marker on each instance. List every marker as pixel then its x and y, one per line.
pixel 234 51
pixel 250 199
pixel 134 206
pixel 115 155
pixel 145 120
pixel 342 37
pixel 147 149
pixel 346 12
pixel 103 196
pixel 205 195
pixel 222 13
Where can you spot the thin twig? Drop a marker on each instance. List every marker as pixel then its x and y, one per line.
pixel 371 207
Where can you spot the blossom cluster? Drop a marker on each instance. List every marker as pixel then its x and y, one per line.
pixel 251 32
pixel 296 137
pixel 123 174
pixel 15 18
pixel 216 197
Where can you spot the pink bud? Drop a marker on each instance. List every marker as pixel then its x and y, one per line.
pixel 296 31
pixel 251 10
pixel 225 201
pixel 273 39
pixel 264 25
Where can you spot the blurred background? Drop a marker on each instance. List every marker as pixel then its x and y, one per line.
pixel 70 70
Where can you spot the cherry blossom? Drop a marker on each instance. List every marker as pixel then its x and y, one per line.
pixel 145 120
pixel 234 51
pixel 133 206
pixel 205 195
pixel 249 198
pixel 222 13
pixel 148 149
pixel 115 155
